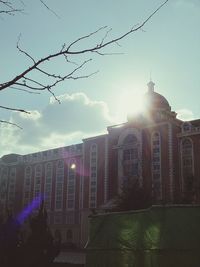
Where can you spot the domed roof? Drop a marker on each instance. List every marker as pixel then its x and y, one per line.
pixel 154 100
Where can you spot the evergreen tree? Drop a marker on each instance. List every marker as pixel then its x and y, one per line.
pixel 40 248
pixel 133 196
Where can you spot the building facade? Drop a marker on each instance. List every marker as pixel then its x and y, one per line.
pixel 155 147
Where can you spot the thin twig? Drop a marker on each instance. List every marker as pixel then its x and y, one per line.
pixel 15 109
pixel 11 123
pixel 51 10
pixel 24 90
pixel 24 82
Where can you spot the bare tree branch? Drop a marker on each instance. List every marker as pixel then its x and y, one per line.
pixel 58 100
pixel 8 8
pixel 24 81
pixel 22 51
pixel 24 90
pixel 67 51
pixel 11 123
pixel 15 109
pixel 51 10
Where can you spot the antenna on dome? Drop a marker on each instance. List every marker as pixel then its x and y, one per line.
pixel 150 76
pixel 150 86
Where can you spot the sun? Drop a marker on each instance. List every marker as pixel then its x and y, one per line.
pixel 130 103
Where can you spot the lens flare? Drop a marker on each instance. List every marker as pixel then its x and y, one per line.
pixel 29 208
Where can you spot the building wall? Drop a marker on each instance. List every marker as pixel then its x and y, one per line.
pixel 93 171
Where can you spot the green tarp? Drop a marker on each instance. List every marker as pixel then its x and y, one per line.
pixel 156 237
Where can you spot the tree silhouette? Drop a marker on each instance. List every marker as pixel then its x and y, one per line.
pixel 41 249
pixel 133 196
pixel 9 241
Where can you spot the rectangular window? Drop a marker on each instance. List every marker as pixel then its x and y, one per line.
pixel 27 181
pixel 71 190
pixel 70 204
pixel 156 150
pixel 93 183
pixel 156 143
pixel 93 154
pixel 156 167
pixel 93 189
pixel 58 204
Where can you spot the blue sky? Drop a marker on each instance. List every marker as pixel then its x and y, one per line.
pixel 167 47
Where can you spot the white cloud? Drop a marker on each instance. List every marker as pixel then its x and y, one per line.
pixel 57 125
pixel 185 114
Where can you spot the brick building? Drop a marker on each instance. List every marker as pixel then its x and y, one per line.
pixel 155 147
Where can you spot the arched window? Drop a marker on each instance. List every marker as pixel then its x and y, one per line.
pixel 156 166
pixel 130 157
pixel 37 180
pixel 59 185
pixel 71 184
pixel 130 139
pixel 93 176
pixel 27 185
pixel 48 184
pixel 187 164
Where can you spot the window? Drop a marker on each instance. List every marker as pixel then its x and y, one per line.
pixel 27 185
pixel 130 157
pixel 130 139
pixel 130 154
pixel 187 164
pixel 186 127
pixel 11 187
pixel 37 180
pixel 48 184
pixel 71 184
pixel 3 183
pixel 156 166
pixel 93 176
pixel 59 184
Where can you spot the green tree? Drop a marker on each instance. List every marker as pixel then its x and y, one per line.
pixel 133 196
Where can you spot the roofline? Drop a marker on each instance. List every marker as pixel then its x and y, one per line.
pixel 94 137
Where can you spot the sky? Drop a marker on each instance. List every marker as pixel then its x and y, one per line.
pixel 165 50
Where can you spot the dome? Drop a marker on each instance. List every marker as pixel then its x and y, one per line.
pixel 154 100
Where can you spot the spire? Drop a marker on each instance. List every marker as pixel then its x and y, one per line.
pixel 150 86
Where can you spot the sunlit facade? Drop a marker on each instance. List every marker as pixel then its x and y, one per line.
pixel 155 147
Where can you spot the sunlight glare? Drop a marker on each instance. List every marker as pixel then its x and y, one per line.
pixel 73 166
pixel 130 103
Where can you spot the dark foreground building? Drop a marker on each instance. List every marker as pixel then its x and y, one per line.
pixel 155 147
